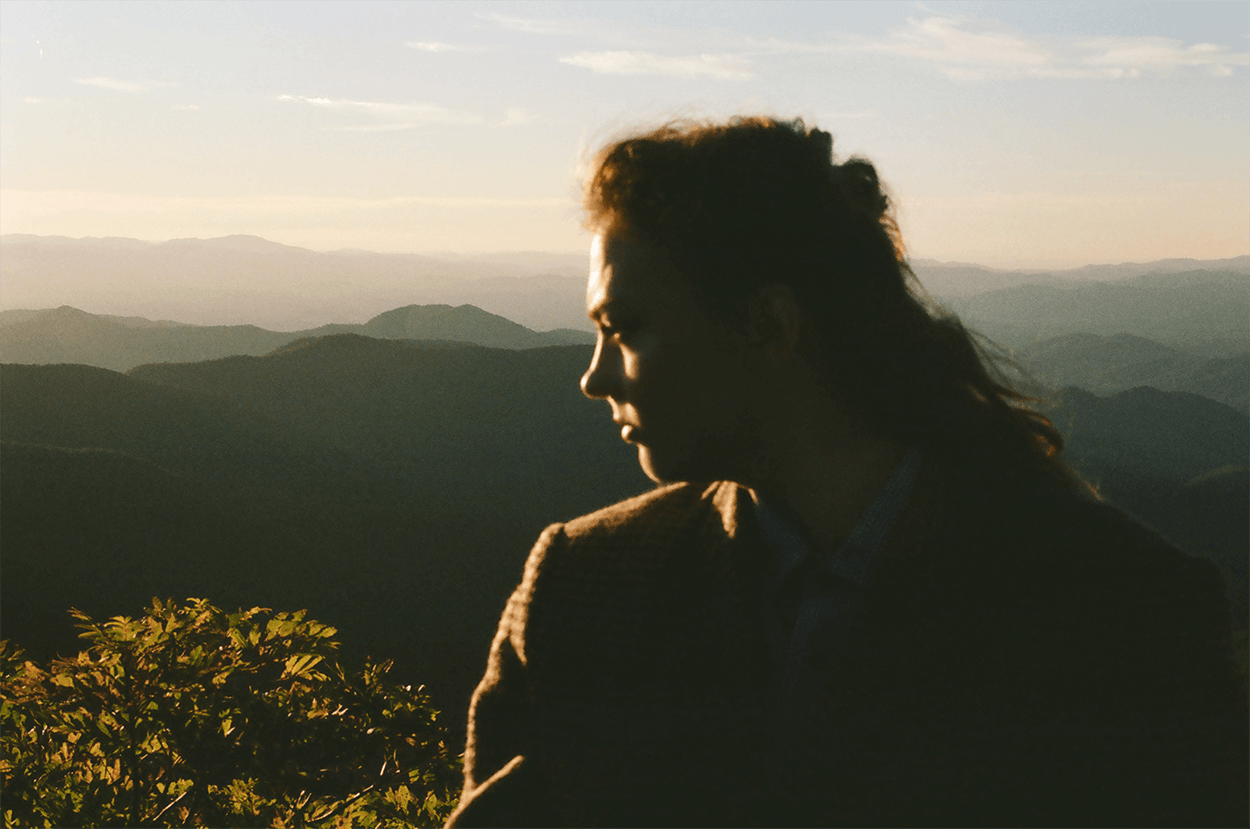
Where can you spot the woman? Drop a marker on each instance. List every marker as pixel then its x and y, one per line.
pixel 868 591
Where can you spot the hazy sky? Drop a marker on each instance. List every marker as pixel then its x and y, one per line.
pixel 1018 133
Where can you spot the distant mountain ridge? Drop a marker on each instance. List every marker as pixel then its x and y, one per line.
pixel 1110 364
pixel 1204 313
pixel 68 335
pixel 1166 436
pixel 965 279
pixel 392 486
pixel 249 280
pixel 395 485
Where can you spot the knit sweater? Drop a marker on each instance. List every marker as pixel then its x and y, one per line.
pixel 1024 658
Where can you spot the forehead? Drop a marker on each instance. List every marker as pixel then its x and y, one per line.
pixel 627 272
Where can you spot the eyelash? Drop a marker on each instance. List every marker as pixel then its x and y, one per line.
pixel 618 332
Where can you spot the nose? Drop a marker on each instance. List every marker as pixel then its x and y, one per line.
pixel 602 378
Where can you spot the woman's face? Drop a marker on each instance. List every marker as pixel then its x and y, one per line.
pixel 679 382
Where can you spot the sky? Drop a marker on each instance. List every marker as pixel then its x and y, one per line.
pixel 1011 134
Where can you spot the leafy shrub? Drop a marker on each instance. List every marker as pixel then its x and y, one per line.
pixel 193 716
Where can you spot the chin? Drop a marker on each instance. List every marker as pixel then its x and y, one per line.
pixel 665 468
pixel 647 461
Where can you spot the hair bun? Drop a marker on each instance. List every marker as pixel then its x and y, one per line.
pixel 861 187
pixel 823 143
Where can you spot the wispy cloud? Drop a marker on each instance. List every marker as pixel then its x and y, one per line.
pixel 961 50
pixel 519 117
pixel 132 87
pixel 513 117
pixel 825 117
pixel 34 203
pixel 536 26
pixel 1125 54
pixel 649 63
pixel 399 116
pixel 375 127
pixel 437 46
pixel 983 50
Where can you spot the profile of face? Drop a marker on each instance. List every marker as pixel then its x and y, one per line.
pixel 679 381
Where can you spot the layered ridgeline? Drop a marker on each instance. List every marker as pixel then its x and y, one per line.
pixel 245 280
pixel 391 475
pixel 391 487
pixel 1201 312
pixel 68 335
pixel 1176 461
pixel 1083 327
pixel 394 487
pixel 1119 362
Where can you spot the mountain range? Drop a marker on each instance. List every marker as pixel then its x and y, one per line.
pixel 1205 313
pixel 390 487
pixel 393 487
pixel 68 335
pixel 1119 362
pixel 389 470
pixel 240 280
pixel 246 280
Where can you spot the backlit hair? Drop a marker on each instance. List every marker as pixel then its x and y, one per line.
pixel 755 201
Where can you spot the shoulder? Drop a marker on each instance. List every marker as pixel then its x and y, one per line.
pixel 1058 590
pixel 1093 568
pixel 1141 574
pixel 600 577
pixel 1055 550
pixel 627 539
pixel 1069 528
pixel 1097 536
pixel 660 512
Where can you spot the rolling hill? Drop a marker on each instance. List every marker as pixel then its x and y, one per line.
pixel 1168 437
pixel 242 280
pixel 246 280
pixel 391 487
pixel 391 474
pixel 1177 462
pixel 185 432
pixel 1110 364
pixel 1204 313
pixel 68 335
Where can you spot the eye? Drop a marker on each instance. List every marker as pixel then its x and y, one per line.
pixel 617 329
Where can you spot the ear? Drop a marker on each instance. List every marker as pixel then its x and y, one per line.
pixel 774 319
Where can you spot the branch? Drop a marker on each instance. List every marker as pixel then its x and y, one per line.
pixel 169 806
pixel 349 801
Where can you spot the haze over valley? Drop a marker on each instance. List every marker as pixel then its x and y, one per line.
pixel 389 467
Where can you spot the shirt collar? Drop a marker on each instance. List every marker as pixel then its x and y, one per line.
pixel 855 560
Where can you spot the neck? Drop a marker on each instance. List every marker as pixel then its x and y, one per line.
pixel 823 470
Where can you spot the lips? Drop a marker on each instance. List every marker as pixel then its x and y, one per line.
pixel 629 433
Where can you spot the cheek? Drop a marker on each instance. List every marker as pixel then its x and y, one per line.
pixel 689 395
pixel 659 382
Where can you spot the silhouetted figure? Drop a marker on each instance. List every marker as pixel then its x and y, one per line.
pixel 868 591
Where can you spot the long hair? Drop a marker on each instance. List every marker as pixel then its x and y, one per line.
pixel 757 201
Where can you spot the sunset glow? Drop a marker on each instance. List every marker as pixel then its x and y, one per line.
pixel 1011 134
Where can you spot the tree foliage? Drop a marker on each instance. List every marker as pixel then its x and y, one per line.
pixel 191 716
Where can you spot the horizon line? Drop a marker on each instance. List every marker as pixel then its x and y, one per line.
pixel 1010 265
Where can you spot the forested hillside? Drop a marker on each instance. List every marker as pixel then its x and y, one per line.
pixel 1200 312
pixel 390 475
pixel 68 335
pixel 394 487
pixel 1109 364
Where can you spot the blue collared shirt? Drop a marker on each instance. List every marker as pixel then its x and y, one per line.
pixel 829 603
